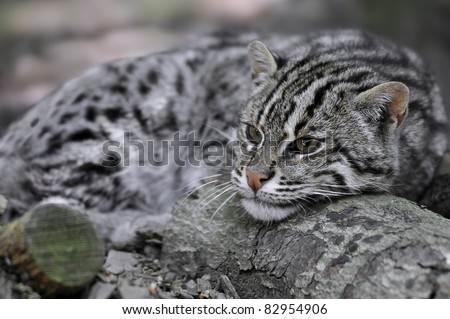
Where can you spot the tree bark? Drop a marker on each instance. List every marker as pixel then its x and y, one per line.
pixel 372 246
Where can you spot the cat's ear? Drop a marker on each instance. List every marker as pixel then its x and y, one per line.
pixel 263 62
pixel 387 101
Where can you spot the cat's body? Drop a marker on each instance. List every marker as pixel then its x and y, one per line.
pixel 56 152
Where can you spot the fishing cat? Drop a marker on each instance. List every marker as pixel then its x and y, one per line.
pixel 323 115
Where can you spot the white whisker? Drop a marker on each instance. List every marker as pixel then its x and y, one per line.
pixel 198 180
pixel 225 201
pixel 192 192
pixel 215 197
pixel 211 192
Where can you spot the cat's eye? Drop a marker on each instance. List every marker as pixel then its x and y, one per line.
pixel 254 135
pixel 305 145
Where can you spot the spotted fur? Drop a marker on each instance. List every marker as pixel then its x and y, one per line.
pixel 310 85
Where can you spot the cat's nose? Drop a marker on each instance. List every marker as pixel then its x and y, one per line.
pixel 256 180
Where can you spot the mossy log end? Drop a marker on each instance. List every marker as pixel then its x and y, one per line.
pixel 54 248
pixel 372 246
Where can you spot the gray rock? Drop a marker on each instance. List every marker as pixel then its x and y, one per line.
pixel 101 290
pixel 119 261
pixel 228 287
pixel 169 277
pixel 191 288
pixel 185 295
pixel 127 291
pixel 203 284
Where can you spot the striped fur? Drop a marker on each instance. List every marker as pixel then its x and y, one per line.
pixel 314 93
pixel 309 88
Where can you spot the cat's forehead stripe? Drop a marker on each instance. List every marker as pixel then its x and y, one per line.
pixel 355 76
pixel 301 81
pixel 282 81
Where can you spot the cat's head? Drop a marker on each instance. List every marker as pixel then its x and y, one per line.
pixel 313 130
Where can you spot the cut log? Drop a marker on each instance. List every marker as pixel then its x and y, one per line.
pixel 372 246
pixel 54 248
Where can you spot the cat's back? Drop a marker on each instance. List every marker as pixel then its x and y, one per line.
pixel 57 148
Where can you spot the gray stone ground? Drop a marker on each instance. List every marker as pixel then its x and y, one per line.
pixel 128 275
pixel 372 246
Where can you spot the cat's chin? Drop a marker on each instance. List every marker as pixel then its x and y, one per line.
pixel 266 211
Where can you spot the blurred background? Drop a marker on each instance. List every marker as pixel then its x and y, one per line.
pixel 43 43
